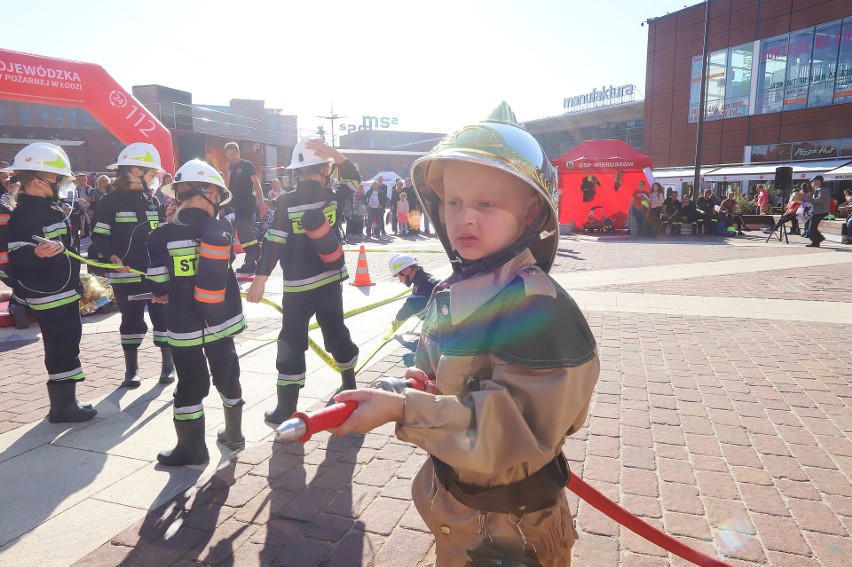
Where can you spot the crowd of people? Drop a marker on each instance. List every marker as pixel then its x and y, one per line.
pixel 652 213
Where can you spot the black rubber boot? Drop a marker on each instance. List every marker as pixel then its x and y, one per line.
pixel 131 368
pixel 167 366
pixel 232 436
pixel 19 315
pixel 250 264
pixel 190 449
pixel 347 380
pixel 63 403
pixel 288 396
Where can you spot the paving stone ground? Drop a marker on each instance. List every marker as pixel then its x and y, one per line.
pixel 730 433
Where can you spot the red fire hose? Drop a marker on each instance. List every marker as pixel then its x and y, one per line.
pixel 304 424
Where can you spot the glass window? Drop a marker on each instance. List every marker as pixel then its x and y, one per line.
pixel 44 115
pixel 771 74
pixel 843 87
pixel 716 74
pixel 694 88
pixel 72 115
pixel 25 112
pixel 59 115
pixel 824 64
pixel 738 85
pixel 2 112
pixel 798 69
pixel 86 116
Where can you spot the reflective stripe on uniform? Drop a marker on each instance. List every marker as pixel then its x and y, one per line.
pixel 209 296
pixel 76 374
pixel 347 365
pixel 189 413
pixel 124 277
pixel 102 228
pixel 134 339
pixel 15 244
pixel 182 247
pixel 314 282
pixel 161 337
pixel 51 301
pixel 4 219
pixel 54 230
pixel 4 257
pixel 291 379
pixel 215 252
pixel 125 217
pixel 278 236
pixel 159 274
pixel 230 402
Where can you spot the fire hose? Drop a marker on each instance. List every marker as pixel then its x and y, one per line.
pixel 303 425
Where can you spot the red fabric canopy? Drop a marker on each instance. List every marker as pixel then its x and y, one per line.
pixel 603 154
pixel 600 173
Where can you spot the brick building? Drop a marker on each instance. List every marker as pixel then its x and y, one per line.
pixel 779 83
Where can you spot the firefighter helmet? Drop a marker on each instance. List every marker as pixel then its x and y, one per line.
pixel 304 156
pixel 201 172
pixel 501 143
pixel 42 156
pixel 140 154
pixel 399 262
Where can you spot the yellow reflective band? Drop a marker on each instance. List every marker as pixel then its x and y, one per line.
pixel 148 158
pixel 186 265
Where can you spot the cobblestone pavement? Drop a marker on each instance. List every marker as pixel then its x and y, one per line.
pixel 730 433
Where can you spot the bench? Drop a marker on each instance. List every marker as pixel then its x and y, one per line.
pixel 835 230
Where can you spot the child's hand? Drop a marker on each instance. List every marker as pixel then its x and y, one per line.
pixel 44 250
pixel 415 373
pixel 375 408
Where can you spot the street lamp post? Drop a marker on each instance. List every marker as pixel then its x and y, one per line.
pixel 702 100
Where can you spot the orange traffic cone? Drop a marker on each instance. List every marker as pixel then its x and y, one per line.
pixel 362 274
pixel 238 249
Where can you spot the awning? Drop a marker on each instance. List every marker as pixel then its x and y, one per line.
pixel 802 171
pixel 680 174
pixel 840 173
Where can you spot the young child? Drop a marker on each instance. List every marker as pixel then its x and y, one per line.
pixel 404 267
pixel 47 280
pixel 508 357
pixel 402 213
pixel 123 220
pixel 190 271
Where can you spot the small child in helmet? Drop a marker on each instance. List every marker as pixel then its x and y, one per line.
pixel 508 359
pixel 404 267
pixel 44 278
pixel 190 271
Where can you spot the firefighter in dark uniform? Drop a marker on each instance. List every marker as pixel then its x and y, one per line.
pixel 190 271
pixel 47 280
pixel 123 220
pixel 304 238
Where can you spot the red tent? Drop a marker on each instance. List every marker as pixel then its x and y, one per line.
pixel 599 173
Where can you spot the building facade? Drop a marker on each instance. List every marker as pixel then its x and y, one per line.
pixel 779 83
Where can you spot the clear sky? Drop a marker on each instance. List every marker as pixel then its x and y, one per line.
pixel 433 64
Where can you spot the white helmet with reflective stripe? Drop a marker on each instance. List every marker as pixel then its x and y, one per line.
pixel 42 156
pixel 399 262
pixel 304 157
pixel 140 154
pixel 202 172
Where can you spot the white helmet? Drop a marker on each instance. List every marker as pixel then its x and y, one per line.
pixel 42 156
pixel 201 171
pixel 304 157
pixel 140 154
pixel 399 262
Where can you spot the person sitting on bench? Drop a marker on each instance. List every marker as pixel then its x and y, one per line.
pixel 728 210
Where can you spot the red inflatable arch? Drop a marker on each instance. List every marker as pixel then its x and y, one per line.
pixel 599 173
pixel 33 78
